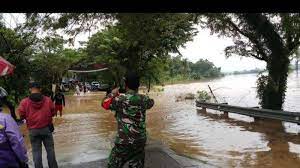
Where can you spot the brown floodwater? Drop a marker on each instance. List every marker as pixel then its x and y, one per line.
pixel 86 131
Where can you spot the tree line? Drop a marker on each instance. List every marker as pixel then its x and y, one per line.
pixel 181 69
pixel 143 42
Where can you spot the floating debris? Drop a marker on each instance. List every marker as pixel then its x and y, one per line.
pixel 188 96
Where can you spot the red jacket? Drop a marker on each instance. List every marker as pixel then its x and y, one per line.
pixel 38 111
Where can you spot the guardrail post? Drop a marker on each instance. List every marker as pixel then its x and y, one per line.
pixel 256 118
pixel 225 112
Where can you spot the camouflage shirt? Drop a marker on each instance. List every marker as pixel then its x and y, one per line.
pixel 130 114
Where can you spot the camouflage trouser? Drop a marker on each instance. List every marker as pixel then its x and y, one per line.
pixel 121 154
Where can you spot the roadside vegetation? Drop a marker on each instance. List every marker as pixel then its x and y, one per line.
pixel 144 42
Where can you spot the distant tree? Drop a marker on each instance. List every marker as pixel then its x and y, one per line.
pixel 178 66
pixel 184 69
pixel 256 70
pixel 204 69
pixel 51 62
pixel 272 38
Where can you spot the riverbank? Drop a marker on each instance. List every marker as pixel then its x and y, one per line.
pixel 185 81
pixel 160 88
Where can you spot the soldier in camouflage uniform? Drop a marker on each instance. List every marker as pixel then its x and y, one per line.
pixel 130 112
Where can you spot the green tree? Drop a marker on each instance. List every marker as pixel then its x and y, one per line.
pixel 51 62
pixel 16 47
pixel 179 67
pixel 108 47
pixel 156 72
pixel 154 35
pixel 45 59
pixel 272 38
pixel 143 36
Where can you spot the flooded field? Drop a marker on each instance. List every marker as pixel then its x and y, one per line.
pixel 236 141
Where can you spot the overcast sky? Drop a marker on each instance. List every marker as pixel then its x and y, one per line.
pixel 211 47
pixel 203 46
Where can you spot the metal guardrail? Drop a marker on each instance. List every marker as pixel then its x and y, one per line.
pixel 293 117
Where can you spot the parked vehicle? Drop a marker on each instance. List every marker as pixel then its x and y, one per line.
pixel 104 86
pixel 95 86
pixel 65 87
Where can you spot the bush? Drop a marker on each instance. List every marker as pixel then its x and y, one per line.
pixel 203 95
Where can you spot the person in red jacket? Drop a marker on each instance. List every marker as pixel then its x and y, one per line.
pixel 38 111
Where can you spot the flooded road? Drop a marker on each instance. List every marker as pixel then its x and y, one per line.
pixel 236 141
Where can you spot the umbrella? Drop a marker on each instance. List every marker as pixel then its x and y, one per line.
pixel 6 68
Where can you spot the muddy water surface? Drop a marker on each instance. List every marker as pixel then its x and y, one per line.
pixel 237 141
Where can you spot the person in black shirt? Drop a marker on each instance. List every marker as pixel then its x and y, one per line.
pixel 84 89
pixel 59 100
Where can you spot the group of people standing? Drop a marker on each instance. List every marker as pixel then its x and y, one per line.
pixel 80 88
pixel 38 111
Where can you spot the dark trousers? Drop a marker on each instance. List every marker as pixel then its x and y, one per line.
pixel 37 137
pixel 121 154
